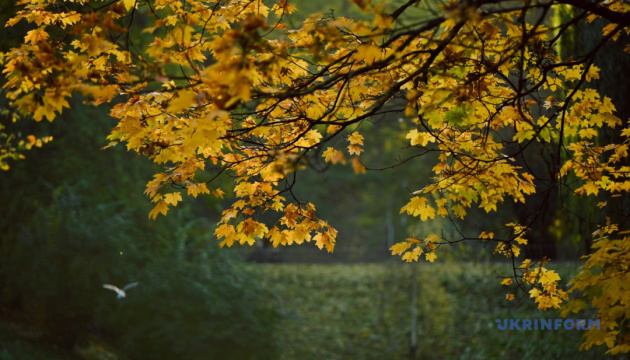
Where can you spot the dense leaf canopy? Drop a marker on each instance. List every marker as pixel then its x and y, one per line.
pixel 228 87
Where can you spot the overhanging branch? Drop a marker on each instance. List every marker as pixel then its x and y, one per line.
pixel 622 19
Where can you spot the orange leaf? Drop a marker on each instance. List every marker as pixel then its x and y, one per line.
pixel 35 36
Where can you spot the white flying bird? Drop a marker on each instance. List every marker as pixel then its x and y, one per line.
pixel 121 292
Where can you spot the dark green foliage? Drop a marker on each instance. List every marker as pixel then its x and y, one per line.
pixel 74 218
pixel 193 302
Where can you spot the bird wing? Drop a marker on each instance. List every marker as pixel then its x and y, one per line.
pixel 111 287
pixel 129 286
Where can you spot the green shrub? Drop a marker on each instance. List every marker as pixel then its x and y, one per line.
pixel 193 302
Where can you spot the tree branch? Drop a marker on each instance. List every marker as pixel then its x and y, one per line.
pixel 622 19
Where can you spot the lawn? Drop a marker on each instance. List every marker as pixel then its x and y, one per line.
pixel 367 311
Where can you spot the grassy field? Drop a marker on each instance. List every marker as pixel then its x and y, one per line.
pixel 365 311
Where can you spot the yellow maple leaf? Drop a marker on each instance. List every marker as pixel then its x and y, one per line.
pixel 275 237
pixel 412 255
pixel 521 240
pixel 516 251
pixel 333 156
pixel 35 36
pixel 419 138
pixel 252 228
pixel 357 166
pixel 355 149
pixel 355 138
pixel 399 248
pixel 548 277
pixel 218 193
pixel 591 188
pixel 573 73
pixel 46 110
pixel 324 239
pixel 534 293
pixel 172 198
pixel 418 206
pixel 368 52
pixel 283 7
pixel 524 135
pixel 431 256
pixel 227 232
pixel 196 189
pixel 183 100
pixel 182 34
pixel 129 4
pixel 260 8
pixel 413 240
pixel 459 211
pixel 160 207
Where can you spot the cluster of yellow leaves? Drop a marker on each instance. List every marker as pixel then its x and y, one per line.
pixel 544 283
pixel 12 146
pixel 299 222
pixel 622 7
pixel 604 284
pixel 600 168
pixel 412 248
pixel 546 292
pixel 463 112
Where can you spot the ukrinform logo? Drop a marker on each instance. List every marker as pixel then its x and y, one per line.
pixel 547 324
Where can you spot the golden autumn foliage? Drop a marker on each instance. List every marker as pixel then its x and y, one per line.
pixel 226 87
